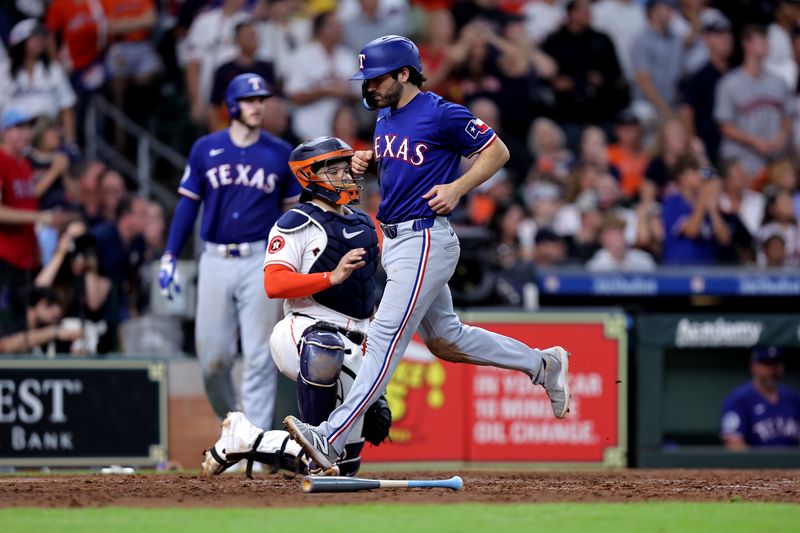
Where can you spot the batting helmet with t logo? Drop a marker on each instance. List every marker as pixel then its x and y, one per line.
pixel 387 54
pixel 242 86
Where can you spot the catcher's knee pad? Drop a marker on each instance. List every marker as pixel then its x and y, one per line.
pixel 321 357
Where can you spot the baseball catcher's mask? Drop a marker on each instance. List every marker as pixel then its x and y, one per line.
pixel 322 166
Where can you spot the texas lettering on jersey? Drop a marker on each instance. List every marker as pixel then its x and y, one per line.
pixel 242 188
pixel 240 174
pixel 421 145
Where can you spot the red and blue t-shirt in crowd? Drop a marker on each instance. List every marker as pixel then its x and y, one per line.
pixel 18 245
pixel 747 413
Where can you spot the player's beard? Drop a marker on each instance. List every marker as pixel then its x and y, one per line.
pixel 391 97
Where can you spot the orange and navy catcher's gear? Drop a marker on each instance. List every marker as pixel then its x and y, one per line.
pixel 311 158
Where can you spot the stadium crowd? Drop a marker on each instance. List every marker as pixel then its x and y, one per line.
pixel 642 132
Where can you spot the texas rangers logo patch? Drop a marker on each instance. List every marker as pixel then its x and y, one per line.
pixel 276 244
pixel 476 127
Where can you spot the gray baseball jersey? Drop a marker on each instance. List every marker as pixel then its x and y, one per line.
pixel 754 105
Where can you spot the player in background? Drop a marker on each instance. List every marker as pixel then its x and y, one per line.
pixel 418 143
pixel 321 258
pixel 241 176
pixel 762 412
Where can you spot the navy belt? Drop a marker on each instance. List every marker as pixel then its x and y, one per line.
pixel 391 230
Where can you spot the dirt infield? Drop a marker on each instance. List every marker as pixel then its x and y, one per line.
pixel 234 490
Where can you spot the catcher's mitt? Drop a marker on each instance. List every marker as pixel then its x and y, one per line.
pixel 377 421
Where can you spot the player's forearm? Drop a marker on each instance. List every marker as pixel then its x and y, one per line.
pixel 488 162
pixel 182 224
pixel 282 282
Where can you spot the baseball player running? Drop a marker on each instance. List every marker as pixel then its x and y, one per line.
pixel 322 256
pixel 418 142
pixel 241 176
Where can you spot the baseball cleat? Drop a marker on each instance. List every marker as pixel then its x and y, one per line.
pixel 556 367
pixel 237 435
pixel 316 446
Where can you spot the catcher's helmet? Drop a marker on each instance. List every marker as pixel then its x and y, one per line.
pixel 386 54
pixel 309 160
pixel 244 86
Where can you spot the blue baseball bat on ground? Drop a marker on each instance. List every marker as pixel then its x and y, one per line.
pixel 352 484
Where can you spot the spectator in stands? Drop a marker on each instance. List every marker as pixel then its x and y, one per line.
pixel 615 255
pixel 547 144
pixel 657 60
pixel 779 218
pixel 439 51
pixel 34 83
pixel 278 120
pixel 543 197
pixel 753 107
pixel 550 249
pixel 773 249
pixel 593 150
pixel 80 27
pixel 154 229
pixel 369 24
pixel 589 86
pixel 762 412
pixel 699 92
pixel 628 153
pixel 489 11
pixel 693 223
pixel 672 142
pixel 50 165
pixel 74 274
pixel 245 61
pixel 210 43
pixel 112 189
pixel 87 195
pixel 649 234
pixel 782 176
pixel 508 250
pixel 584 242
pixel 39 329
pixel 280 33
pixel 345 127
pixel 688 24
pixel 19 252
pixel 520 160
pixel 542 18
pixel 780 60
pixel 737 199
pixel 131 58
pixel 323 85
pixel 622 21
pixel 120 252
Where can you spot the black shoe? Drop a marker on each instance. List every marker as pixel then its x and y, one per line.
pixel 315 444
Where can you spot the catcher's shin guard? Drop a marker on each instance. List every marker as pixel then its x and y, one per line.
pixel 321 358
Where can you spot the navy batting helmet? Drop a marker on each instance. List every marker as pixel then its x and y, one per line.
pixel 309 162
pixel 244 86
pixel 386 54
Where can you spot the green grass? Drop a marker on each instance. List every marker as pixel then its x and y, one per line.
pixel 556 518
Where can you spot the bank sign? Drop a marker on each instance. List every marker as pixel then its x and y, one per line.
pixel 82 413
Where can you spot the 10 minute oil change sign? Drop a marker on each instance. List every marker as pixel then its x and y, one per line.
pixel 82 412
